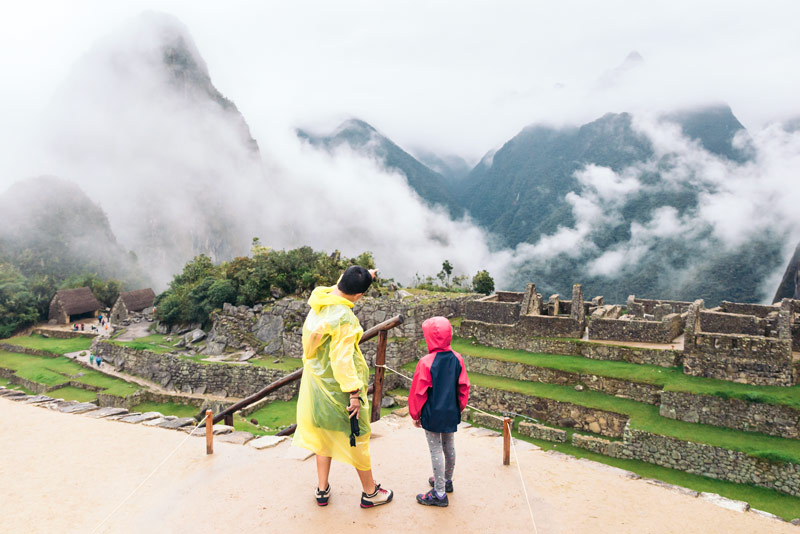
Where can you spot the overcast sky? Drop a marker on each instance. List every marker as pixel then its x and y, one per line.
pixel 455 77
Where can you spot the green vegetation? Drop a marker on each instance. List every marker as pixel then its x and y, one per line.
pixel 17 303
pixel 276 414
pixel 73 393
pixel 646 417
pixel 57 371
pixel 671 379
pixel 203 286
pixel 154 343
pixel 59 346
pixel 167 408
pixel 483 282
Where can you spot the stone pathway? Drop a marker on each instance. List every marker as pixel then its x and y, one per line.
pixel 265 485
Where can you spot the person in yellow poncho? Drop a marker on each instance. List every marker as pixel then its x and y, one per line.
pixel 333 388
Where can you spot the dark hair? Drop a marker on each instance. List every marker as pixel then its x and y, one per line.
pixel 356 279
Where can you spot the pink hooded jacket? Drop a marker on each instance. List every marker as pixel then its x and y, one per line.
pixel 440 380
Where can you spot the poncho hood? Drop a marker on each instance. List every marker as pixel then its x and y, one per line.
pixel 438 334
pixel 321 297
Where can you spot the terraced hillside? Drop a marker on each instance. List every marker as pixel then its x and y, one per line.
pixel 737 438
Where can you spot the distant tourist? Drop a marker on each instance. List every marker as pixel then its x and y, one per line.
pixel 439 393
pixel 91 359
pixel 99 360
pixel 75 327
pixel 82 327
pixel 334 384
pixel 100 319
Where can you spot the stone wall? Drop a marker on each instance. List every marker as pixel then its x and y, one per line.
pixel 647 393
pixel 627 328
pixel 732 323
pixel 707 460
pixel 640 307
pixel 563 414
pixel 511 337
pixel 491 310
pixel 759 310
pixel 758 360
pixel 593 444
pixel 551 326
pixel 774 419
pixel 62 334
pixel 537 431
pixel 175 373
pixel 25 350
pixel 277 329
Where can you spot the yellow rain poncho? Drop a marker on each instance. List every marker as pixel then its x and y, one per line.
pixel 332 366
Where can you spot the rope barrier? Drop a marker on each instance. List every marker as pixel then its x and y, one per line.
pixel 148 477
pixel 513 446
pixel 524 489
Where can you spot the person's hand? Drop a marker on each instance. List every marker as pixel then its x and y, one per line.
pixel 417 423
pixel 374 273
pixel 354 408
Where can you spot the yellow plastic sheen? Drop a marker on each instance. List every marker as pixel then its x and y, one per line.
pixel 333 365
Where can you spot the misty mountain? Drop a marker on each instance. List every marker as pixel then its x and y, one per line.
pixel 364 139
pixel 452 167
pixel 51 228
pixel 172 161
pixel 789 288
pixel 614 213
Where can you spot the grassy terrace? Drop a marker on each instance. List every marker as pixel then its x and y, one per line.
pixel 57 371
pixel 645 417
pixel 154 343
pixel 59 346
pixel 671 379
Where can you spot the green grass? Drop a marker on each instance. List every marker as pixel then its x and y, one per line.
pixel 59 346
pixel 671 379
pixel 5 382
pixel 154 343
pixel 276 414
pixel 645 417
pixel 73 393
pixel 56 371
pixel 775 502
pixel 167 408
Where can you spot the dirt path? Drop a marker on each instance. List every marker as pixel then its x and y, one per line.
pixel 65 473
pixel 135 331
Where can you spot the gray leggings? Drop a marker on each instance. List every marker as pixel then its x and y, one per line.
pixel 443 457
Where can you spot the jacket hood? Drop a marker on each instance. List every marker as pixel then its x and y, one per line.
pixel 321 297
pixel 438 334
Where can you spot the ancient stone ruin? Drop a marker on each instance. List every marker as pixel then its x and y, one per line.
pixel 647 321
pixel 747 343
pixel 529 314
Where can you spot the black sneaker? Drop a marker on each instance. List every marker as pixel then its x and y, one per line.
pixel 448 485
pixel 381 496
pixel 323 496
pixel 430 499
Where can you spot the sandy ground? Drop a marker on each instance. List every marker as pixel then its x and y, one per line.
pixel 66 473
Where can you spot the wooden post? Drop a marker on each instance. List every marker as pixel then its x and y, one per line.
pixel 209 432
pixel 506 441
pixel 380 360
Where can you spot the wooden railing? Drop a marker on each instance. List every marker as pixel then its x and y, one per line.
pixel 376 389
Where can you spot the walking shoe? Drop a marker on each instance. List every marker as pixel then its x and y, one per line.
pixel 323 496
pixel 448 485
pixel 430 499
pixel 381 496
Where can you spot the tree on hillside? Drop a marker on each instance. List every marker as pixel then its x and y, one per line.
pixel 483 282
pixel 447 270
pixel 17 304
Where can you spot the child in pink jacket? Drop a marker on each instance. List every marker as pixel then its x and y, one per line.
pixel 439 393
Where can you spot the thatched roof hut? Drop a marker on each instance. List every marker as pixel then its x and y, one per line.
pixel 70 304
pixel 132 301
